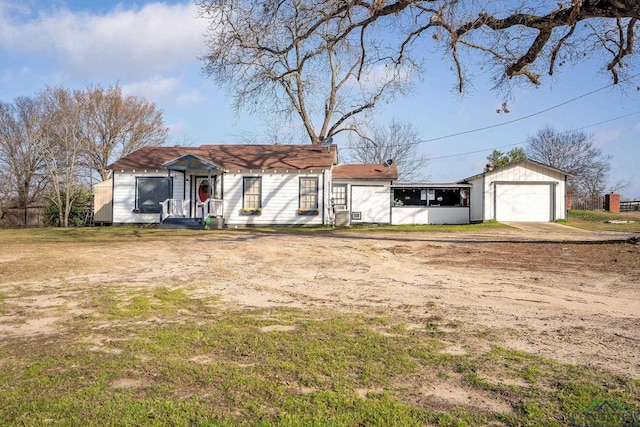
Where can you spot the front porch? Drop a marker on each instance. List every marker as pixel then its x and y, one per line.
pixel 199 201
pixel 177 213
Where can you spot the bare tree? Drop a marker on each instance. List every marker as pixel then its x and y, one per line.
pixel 114 125
pixel 22 175
pixel 317 54
pixel 575 153
pixel 302 59
pixel 399 142
pixel 61 147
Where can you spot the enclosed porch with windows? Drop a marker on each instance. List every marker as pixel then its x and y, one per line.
pixel 430 204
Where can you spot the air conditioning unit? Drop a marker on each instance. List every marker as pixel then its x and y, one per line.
pixel 342 218
pixel 356 216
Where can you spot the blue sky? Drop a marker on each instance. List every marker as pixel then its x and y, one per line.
pixel 151 48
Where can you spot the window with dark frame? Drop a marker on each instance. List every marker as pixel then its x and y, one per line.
pixel 308 193
pixel 427 197
pixel 252 189
pixel 150 192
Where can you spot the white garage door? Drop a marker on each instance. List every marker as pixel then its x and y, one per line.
pixel 523 202
pixel 373 204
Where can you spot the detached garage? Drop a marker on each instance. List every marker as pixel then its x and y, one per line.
pixel 525 191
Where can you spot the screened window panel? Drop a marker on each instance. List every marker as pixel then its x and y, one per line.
pixel 150 192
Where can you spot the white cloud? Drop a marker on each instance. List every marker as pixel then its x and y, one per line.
pixel 153 88
pixel 189 98
pixel 120 45
pixel 605 137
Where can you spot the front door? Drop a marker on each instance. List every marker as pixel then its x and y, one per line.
pixel 203 191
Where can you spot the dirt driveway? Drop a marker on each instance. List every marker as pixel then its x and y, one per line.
pixel 567 294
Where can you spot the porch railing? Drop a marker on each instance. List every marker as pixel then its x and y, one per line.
pixel 172 208
pixel 215 207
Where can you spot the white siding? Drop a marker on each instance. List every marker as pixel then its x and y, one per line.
pixel 426 215
pixel 280 193
pixel 124 196
pixel 483 204
pixel 373 202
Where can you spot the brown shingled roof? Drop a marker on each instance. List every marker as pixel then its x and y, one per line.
pixel 365 171
pixel 231 157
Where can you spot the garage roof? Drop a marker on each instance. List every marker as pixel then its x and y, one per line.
pixel 365 171
pixel 514 165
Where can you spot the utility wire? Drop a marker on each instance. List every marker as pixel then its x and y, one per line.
pixel 524 142
pixel 526 117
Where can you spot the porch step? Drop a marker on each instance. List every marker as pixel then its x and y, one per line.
pixel 182 223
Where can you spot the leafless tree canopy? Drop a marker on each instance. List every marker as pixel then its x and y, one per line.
pixel 51 143
pixel 22 178
pixel 575 153
pixel 312 58
pixel 397 141
pixel 114 125
pixel 60 146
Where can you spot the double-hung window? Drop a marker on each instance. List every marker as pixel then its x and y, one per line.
pixel 150 192
pixel 252 193
pixel 308 194
pixel 339 194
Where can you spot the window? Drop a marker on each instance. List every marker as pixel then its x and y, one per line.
pixel 308 193
pixel 150 192
pixel 427 197
pixel 339 194
pixel 446 197
pixel 252 193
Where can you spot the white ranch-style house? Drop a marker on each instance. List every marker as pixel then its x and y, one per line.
pixel 245 185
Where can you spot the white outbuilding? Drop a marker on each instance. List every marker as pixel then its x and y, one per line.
pixel 525 191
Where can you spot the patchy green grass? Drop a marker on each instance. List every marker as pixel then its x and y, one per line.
pixel 98 235
pixel 160 357
pixel 597 220
pixel 101 235
pixel 156 355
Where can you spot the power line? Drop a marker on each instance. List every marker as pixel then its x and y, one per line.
pixel 528 116
pixel 523 142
